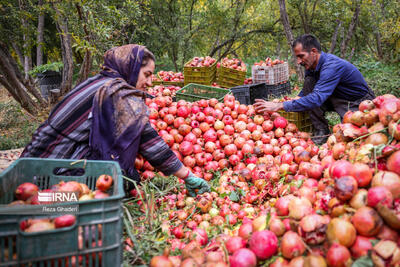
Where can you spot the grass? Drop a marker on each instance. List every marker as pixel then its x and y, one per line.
pixel 16 127
pixel 143 224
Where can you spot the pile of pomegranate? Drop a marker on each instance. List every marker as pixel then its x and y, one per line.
pixel 163 90
pixel 201 62
pixel 248 80
pixel 27 193
pixel 154 78
pixel 170 76
pixel 269 62
pixel 277 199
pixel 233 63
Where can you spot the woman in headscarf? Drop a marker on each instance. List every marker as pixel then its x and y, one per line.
pixel 105 118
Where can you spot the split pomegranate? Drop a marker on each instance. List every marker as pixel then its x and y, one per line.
pixel 361 246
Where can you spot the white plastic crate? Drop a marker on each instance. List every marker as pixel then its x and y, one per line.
pixel 270 74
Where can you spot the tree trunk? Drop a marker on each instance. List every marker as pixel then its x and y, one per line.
pixel 40 29
pixel 26 42
pixel 334 37
pixel 376 30
pixel 28 84
pixel 66 49
pixel 18 52
pixel 350 32
pixel 85 68
pixel 87 59
pixel 13 84
pixel 289 37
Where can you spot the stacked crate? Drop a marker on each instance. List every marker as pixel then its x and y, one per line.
pixel 199 75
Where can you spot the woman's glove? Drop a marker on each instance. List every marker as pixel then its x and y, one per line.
pixel 192 182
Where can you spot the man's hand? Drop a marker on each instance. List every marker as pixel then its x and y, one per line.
pixel 192 182
pixel 262 106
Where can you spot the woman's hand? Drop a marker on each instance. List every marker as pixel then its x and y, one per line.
pixel 192 183
pixel 262 106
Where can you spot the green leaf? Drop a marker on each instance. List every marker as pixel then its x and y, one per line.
pixel 374 241
pixel 234 196
pixel 268 218
pixel 363 262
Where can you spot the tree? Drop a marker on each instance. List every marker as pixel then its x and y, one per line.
pixel 40 34
pixel 289 36
pixel 351 30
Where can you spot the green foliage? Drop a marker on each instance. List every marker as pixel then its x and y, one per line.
pixel 53 66
pixel 383 78
pixel 15 127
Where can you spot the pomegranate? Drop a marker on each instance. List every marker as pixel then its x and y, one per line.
pixel 312 229
pixel 297 262
pixel 280 122
pixel 276 226
pixel 264 244
pixel 245 230
pixel 200 235
pixel 160 261
pixel 292 245
pixel 388 179
pixel 341 231
pixel 386 233
pixel 377 139
pixel 394 130
pixel 299 207
pixel 393 162
pixel 367 221
pixel 340 168
pixel 243 258
pixel 379 194
pixel 359 199
pixel 361 247
pixel 338 256
pixel 235 243
pixel 386 253
pixel 362 173
pixel 71 186
pixel 64 221
pixel 314 260
pixel 104 182
pixel 366 105
pixel 26 190
pixel 40 226
pixel 345 187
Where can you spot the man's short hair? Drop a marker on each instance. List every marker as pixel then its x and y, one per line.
pixel 308 41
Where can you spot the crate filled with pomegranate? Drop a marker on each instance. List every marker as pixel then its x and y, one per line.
pixel 61 213
pixel 163 90
pixel 155 80
pixel 194 92
pixel 270 71
pixel 301 119
pixel 171 78
pixel 231 72
pixel 200 70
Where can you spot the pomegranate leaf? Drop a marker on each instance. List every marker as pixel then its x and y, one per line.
pixel 234 196
pixel 364 261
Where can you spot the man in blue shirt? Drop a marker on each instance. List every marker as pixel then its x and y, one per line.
pixel 330 84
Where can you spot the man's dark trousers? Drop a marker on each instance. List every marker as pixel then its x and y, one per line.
pixel 341 106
